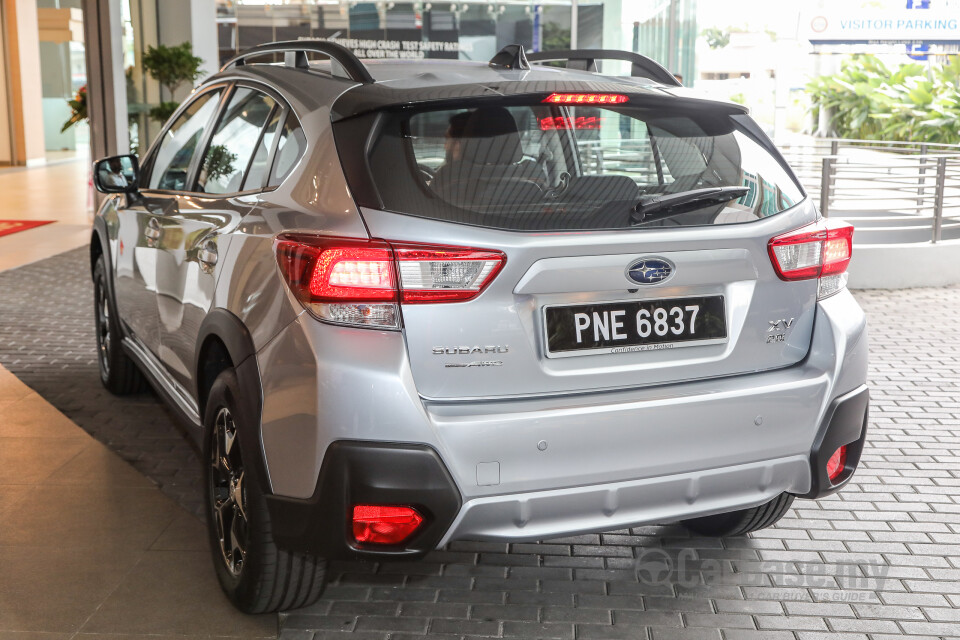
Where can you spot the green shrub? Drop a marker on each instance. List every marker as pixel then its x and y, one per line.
pixel 171 67
pixel 912 103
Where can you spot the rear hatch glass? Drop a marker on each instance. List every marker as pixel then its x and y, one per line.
pixel 525 165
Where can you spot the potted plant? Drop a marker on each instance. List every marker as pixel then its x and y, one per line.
pixel 78 109
pixel 171 67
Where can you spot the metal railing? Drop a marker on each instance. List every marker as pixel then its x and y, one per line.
pixel 891 191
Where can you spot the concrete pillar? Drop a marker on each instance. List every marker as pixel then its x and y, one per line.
pixel 23 130
pixel 106 83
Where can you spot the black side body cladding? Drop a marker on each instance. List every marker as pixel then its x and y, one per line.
pixel 844 424
pixel 239 343
pixel 356 472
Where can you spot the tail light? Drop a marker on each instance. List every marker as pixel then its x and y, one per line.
pixel 837 463
pixel 445 274
pixel 821 250
pixel 360 282
pixel 384 524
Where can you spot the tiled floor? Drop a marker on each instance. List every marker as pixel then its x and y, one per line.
pixel 56 192
pixel 89 548
pixel 87 544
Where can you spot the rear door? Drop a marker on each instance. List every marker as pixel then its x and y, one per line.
pixel 591 297
pixel 229 174
pixel 145 220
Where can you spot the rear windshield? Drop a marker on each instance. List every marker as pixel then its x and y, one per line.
pixel 546 167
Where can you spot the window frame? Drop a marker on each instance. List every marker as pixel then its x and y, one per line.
pixel 221 113
pixel 286 115
pixel 228 87
pixel 148 165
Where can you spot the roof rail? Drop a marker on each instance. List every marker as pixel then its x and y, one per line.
pixel 296 57
pixel 643 67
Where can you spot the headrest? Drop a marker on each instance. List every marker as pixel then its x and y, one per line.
pixel 491 137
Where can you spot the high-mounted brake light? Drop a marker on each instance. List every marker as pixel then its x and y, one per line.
pixel 390 525
pixel 819 250
pixel 361 282
pixel 837 463
pixel 586 98
pixel 560 122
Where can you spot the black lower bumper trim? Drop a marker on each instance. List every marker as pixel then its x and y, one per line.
pixel 845 423
pixel 357 472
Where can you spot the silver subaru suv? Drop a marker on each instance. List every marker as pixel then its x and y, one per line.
pixel 402 303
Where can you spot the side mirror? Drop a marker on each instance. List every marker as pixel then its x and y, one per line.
pixel 117 174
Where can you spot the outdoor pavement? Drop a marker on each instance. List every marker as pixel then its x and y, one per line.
pixel 881 560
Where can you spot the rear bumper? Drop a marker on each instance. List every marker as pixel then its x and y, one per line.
pixel 414 475
pixel 542 467
pixel 607 507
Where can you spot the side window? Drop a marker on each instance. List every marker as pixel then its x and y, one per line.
pixel 234 141
pixel 172 162
pixel 289 150
pixel 260 164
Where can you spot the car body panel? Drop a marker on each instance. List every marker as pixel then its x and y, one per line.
pixel 591 438
pixel 140 234
pixel 728 260
pixel 188 267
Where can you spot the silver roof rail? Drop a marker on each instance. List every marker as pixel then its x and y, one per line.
pixel 350 66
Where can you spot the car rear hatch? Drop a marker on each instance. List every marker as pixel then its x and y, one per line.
pixel 591 290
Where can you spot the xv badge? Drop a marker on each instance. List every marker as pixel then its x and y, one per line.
pixel 780 324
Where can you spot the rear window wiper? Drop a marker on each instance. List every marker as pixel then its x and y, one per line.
pixel 659 206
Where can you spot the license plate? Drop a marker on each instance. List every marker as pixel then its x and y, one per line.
pixel 636 325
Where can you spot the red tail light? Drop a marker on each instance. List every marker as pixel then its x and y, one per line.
pixel 359 282
pixel 586 98
pixel 384 525
pixel 820 250
pixel 837 463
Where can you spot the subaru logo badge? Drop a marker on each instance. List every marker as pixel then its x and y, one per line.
pixel 649 270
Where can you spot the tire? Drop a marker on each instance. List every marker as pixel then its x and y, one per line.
pixel 118 373
pixel 742 522
pixel 255 574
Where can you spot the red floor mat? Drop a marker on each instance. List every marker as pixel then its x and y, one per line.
pixel 12 226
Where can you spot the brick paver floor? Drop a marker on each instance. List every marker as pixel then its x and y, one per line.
pixel 880 560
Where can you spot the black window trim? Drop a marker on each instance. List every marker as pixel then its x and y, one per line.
pixel 278 110
pixel 276 146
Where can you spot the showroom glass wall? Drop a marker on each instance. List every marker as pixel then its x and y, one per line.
pixel 466 30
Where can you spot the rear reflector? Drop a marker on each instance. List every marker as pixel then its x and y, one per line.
pixel 392 525
pixel 837 463
pixel 820 250
pixel 586 98
pixel 360 282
